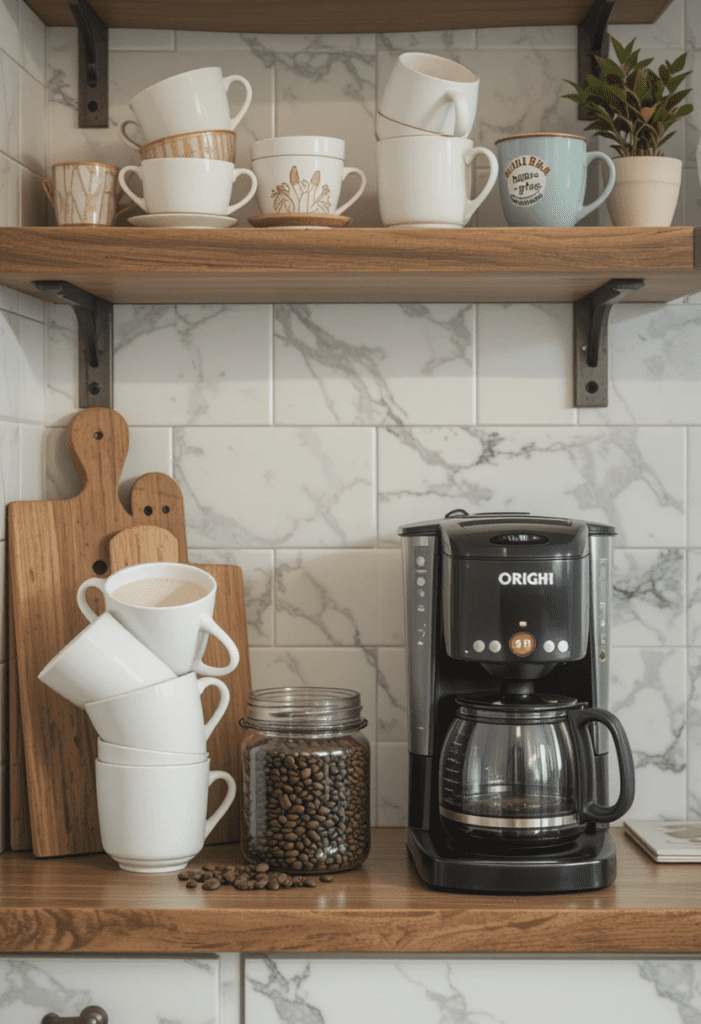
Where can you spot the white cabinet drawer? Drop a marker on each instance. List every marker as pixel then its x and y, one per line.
pixel 131 989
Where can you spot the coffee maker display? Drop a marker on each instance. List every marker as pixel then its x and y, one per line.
pixel 507 656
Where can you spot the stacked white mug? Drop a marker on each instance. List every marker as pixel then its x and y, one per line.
pixel 188 163
pixel 133 670
pixel 424 155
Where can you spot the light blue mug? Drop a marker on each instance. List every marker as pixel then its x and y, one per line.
pixel 543 178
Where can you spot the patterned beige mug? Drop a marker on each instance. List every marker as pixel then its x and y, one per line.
pixel 83 193
pixel 211 145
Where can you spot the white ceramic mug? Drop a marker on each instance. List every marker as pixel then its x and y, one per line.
pixel 302 174
pixel 194 101
pixel 426 181
pixel 154 819
pixel 177 634
pixel 104 660
pixel 166 717
pixel 115 753
pixel 432 93
pixel 180 185
pixel 385 128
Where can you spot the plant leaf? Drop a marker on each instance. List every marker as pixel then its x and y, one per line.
pixel 316 177
pixel 294 176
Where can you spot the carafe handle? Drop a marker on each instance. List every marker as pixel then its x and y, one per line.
pixel 590 810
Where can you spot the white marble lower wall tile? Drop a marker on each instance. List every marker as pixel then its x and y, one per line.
pixel 694 486
pixel 632 478
pixel 9 192
pixel 648 694
pixel 694 734
pixel 391 695
pixel 257 568
pixel 693 599
pixel 648 597
pixel 524 364
pixel 143 989
pixel 9 469
pixel 392 784
pixel 207 364
pixel 378 363
pixel 339 598
pixel 654 368
pixel 32 469
pixel 471 991
pixel 150 451
pixel 277 486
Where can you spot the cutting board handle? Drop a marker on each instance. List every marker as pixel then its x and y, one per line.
pixel 98 442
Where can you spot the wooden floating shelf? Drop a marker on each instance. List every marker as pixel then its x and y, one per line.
pixel 345 16
pixel 87 905
pixel 142 265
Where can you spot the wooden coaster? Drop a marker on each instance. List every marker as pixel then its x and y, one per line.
pixel 299 220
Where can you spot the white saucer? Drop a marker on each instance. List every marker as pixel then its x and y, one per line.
pixel 182 220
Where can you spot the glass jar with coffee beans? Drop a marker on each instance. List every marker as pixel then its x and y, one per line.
pixel 305 780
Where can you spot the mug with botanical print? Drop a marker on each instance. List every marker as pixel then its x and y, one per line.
pixel 83 193
pixel 302 174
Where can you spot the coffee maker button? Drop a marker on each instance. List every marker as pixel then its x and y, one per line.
pixel 494 646
pixel 421 582
pixel 421 560
pixel 563 646
pixel 548 647
pixel 478 646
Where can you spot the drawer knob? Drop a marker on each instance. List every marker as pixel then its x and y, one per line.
pixel 90 1015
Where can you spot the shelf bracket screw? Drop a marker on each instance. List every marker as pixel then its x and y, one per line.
pixel 93 65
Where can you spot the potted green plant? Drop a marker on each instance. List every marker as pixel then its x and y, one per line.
pixel 635 107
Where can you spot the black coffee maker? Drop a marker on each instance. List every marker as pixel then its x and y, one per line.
pixel 507 621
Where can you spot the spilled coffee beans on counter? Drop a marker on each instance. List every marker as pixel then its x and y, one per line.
pixel 305 806
pixel 258 876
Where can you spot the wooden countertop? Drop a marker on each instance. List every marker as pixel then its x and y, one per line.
pixel 86 904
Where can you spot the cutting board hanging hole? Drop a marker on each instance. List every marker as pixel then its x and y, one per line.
pixel 148 511
pixel 98 435
pixel 99 567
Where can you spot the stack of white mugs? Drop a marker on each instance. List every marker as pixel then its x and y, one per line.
pixel 134 671
pixel 188 161
pixel 424 155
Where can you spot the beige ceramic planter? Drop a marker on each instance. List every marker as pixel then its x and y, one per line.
pixel 646 191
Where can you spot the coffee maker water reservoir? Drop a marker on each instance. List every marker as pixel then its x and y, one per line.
pixel 507 658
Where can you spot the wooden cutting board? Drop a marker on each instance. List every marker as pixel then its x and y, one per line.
pixel 52 547
pixel 155 544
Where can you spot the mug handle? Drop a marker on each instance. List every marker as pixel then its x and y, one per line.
pixel 125 137
pixel 208 625
pixel 462 113
pixel 226 803
pixel 85 608
pixel 237 174
pixel 125 188
pixel 216 717
pixel 46 185
pixel 246 103
pixel 472 204
pixel 590 207
pixel 358 194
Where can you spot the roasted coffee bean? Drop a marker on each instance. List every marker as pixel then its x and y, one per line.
pixel 262 867
pixel 191 884
pixel 306 803
pixel 211 883
pixel 326 878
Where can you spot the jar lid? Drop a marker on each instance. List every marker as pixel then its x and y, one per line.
pixel 305 709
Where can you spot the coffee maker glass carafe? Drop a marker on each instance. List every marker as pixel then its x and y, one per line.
pixel 517 769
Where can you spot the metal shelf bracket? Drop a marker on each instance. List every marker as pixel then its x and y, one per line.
pixel 93 65
pixel 592 40
pixel 95 321
pixel 591 346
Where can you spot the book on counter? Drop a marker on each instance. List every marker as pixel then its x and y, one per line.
pixel 667 842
